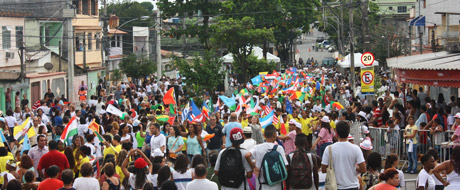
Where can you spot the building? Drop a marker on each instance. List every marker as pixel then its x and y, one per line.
pixel 394 8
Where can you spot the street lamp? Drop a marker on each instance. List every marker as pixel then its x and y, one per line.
pixel 138 18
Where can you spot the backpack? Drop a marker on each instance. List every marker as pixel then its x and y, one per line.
pixel 301 167
pixel 231 171
pixel 273 168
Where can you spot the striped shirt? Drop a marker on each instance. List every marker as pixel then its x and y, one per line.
pixel 182 180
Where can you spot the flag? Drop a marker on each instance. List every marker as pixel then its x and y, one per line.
pixel 205 110
pixel 323 82
pixel 26 144
pixel 99 136
pixel 267 109
pixel 70 130
pixel 252 110
pixel 256 80
pixel 186 112
pixel 93 126
pixel 210 105
pixel 230 102
pixel 318 85
pixel 198 118
pixel 169 97
pixel 270 77
pixel 2 137
pixel 162 118
pixel 249 85
pixel 267 120
pixel 283 130
pixel 171 120
pixel 275 120
pixel 275 73
pixel 288 107
pixel 171 109
pixel 217 106
pixel 113 110
pixel 36 105
pixel 20 131
pixel 195 110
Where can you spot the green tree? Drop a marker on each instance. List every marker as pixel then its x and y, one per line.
pixel 202 73
pixel 239 37
pixel 127 10
pixel 136 67
pixel 191 8
pixel 255 66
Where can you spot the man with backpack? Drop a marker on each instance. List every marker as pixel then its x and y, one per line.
pixel 270 161
pixel 231 167
pixel 345 156
pixel 303 168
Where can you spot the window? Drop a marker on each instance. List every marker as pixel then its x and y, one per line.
pixel 98 41
pixel 115 41
pixel 90 41
pixel 93 7
pixel 76 4
pixel 79 42
pixel 6 37
pixel 85 7
pixel 19 36
pixel 402 9
pixel 390 8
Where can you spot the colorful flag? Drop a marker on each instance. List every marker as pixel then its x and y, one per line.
pixel 113 110
pixel 217 106
pixel 20 131
pixel 70 130
pixel 169 97
pixel 230 102
pixel 26 144
pixel 256 80
pixel 288 107
pixel 267 120
pixel 205 110
pixel 171 109
pixel 195 110
pixel 171 120
pixel 94 126
pixel 275 120
pixel 249 85
pixel 186 112
pixel 162 118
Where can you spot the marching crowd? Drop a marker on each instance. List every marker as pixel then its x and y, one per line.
pixel 291 131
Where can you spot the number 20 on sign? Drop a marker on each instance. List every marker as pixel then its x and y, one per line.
pixel 367 59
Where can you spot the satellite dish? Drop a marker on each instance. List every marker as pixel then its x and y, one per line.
pixel 48 66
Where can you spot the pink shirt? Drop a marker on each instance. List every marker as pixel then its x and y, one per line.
pixel 457 132
pixel 289 144
pixel 325 136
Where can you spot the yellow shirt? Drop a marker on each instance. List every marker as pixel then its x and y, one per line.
pixel 332 123
pixel 3 161
pixel 120 173
pixel 109 150
pixel 410 130
pixel 306 127
pixel 84 160
pixel 244 122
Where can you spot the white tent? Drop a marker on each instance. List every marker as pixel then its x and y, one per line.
pixel 346 61
pixel 258 52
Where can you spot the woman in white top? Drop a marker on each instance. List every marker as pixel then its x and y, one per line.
pixel 139 177
pixel 424 179
pixel 452 168
pixel 182 175
pixel 392 161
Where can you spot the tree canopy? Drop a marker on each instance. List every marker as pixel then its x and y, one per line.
pixel 136 67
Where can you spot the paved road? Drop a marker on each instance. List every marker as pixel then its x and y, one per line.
pixel 307 43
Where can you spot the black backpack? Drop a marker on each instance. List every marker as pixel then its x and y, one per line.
pixel 231 170
pixel 300 173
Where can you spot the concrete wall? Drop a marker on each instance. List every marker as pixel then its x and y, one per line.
pixel 10 64
pixel 77 83
pixel 92 82
pixel 384 6
pixel 32 30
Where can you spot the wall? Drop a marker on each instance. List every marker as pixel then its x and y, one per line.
pixel 88 24
pixel 57 83
pixel 31 32
pixel 10 64
pixel 76 83
pixel 92 82
pixel 385 4
pixel 16 86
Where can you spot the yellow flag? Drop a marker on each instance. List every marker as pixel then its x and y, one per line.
pixel 20 131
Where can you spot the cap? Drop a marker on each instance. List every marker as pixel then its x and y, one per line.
pixel 457 115
pixel 12 163
pixel 294 122
pixel 325 119
pixel 247 130
pixel 350 137
pixel 236 136
pixel 362 114
pixel 276 97
pixel 366 145
pixel 140 163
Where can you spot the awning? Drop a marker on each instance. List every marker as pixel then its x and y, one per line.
pixel 418 21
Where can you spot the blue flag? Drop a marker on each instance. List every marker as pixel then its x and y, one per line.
pixel 2 136
pixel 229 102
pixel 26 144
pixel 288 106
pixel 256 80
pixel 195 110
pixel 267 120
pixel 318 85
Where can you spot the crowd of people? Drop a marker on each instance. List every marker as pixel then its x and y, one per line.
pixel 122 140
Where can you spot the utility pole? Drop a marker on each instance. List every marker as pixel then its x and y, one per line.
pixel 60 54
pixel 158 42
pixel 367 43
pixel 184 42
pixel 71 59
pixel 84 50
pixel 105 42
pixel 352 51
pixel 433 41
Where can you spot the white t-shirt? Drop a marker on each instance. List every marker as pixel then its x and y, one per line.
pixel 258 153
pixel 182 180
pixel 424 178
pixel 85 183
pixel 246 167
pixel 345 156
pixel 8 175
pixel 157 142
pixel 148 88
pixel 10 120
pixel 153 179
pixel 202 184
pixel 248 144
pixel 317 108
pixel 93 149
pixel 91 103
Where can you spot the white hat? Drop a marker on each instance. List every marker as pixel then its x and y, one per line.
pixel 308 102
pixel 279 92
pixel 262 101
pixel 362 114
pixel 457 115
pixel 294 122
pixel 298 104
pixel 350 137
pixel 366 145
pixel 247 130
pixel 364 128
pixel 325 119
pixel 276 97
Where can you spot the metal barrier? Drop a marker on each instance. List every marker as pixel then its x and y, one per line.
pixel 387 141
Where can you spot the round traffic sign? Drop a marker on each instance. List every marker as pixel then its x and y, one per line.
pixel 367 59
pixel 367 77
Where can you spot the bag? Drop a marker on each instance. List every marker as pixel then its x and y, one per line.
pixel 300 173
pixel 231 171
pixel 331 183
pixel 273 168
pixel 173 155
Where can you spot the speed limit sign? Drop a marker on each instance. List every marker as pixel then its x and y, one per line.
pixel 367 59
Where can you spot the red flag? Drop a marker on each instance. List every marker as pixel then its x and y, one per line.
pixel 283 129
pixel 275 73
pixel 169 97
pixel 171 120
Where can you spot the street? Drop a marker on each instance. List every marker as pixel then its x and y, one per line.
pixel 306 45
